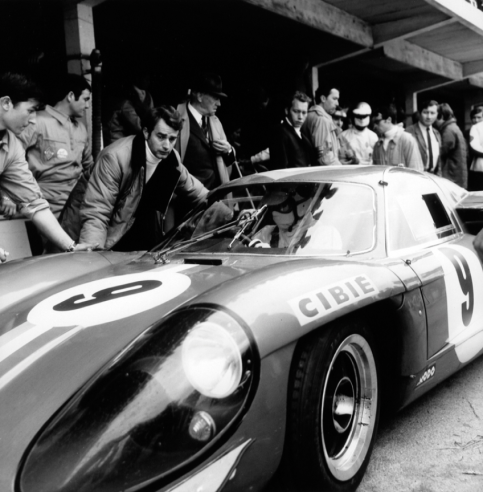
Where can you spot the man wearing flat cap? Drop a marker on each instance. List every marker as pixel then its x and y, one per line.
pixel 202 143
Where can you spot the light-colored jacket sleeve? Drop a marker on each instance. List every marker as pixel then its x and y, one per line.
pixel 412 155
pixel 18 183
pixel 319 132
pixel 99 200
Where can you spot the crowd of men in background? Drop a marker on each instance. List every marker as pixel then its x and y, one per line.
pixel 127 200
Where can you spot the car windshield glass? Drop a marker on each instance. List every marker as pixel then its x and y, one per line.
pixel 280 218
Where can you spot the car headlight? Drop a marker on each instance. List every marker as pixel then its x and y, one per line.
pixel 177 392
pixel 212 360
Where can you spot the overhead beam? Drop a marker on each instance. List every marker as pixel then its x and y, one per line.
pixel 359 54
pixel 472 68
pixel 476 81
pixel 322 16
pixel 406 28
pixel 463 11
pixel 427 84
pixel 418 57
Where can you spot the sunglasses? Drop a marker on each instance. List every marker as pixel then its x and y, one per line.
pixel 361 116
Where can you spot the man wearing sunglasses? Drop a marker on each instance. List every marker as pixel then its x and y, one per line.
pixel 396 146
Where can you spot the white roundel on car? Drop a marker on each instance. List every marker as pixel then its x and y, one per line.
pixel 463 278
pixel 110 299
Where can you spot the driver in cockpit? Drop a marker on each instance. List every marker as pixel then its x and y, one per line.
pixel 293 225
pixel 289 213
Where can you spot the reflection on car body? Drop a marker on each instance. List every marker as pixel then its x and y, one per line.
pixel 261 339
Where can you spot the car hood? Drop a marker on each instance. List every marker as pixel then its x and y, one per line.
pixel 64 317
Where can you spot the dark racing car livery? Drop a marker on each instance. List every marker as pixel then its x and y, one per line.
pixel 261 339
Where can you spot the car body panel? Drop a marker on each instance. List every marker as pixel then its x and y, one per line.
pixel 64 318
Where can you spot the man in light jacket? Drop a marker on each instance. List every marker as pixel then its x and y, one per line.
pixel 128 194
pixel 395 146
pixel 428 138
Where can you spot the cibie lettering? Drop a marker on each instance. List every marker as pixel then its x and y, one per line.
pixel 314 305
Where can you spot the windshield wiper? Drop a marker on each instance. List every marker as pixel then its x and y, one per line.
pixel 161 256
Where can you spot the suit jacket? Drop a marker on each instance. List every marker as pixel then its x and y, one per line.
pixel 415 131
pixel 287 149
pixel 195 150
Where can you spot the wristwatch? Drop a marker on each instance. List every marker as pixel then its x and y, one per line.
pixel 71 248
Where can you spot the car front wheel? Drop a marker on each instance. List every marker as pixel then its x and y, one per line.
pixel 333 408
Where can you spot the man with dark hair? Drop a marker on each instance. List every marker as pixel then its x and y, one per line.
pixel 127 197
pixel 319 126
pixel 19 99
pixel 57 145
pixel 428 138
pixel 288 146
pixel 395 146
pixel 202 143
pixel 453 147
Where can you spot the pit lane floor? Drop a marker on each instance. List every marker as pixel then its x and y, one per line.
pixel 434 445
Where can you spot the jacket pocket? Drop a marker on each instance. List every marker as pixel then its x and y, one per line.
pixel 53 151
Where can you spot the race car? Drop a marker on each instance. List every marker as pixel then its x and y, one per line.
pixel 261 339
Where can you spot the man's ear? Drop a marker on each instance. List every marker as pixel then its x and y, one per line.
pixel 389 119
pixel 6 103
pixel 70 96
pixel 145 133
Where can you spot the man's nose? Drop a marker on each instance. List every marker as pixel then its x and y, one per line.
pixel 33 118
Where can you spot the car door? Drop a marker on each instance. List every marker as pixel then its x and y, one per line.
pixel 424 232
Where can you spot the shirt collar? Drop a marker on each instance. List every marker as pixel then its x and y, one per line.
pixel 150 157
pixel 423 128
pixel 392 133
pixel 59 116
pixel 297 130
pixel 197 115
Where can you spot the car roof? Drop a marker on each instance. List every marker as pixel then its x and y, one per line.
pixel 361 174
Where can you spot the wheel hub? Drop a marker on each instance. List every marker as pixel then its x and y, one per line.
pixel 343 405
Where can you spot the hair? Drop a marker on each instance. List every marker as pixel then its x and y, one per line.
pixel 324 89
pixel 475 111
pixel 415 117
pixel 299 96
pixel 426 104
pixel 445 111
pixel 167 113
pixel 388 111
pixel 19 88
pixel 71 82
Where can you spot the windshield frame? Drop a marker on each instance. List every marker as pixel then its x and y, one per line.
pixel 168 247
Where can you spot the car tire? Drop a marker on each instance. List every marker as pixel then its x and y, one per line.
pixel 334 407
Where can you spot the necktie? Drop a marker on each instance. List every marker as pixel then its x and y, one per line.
pixel 430 149
pixel 204 126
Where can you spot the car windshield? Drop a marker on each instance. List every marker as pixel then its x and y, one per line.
pixel 300 219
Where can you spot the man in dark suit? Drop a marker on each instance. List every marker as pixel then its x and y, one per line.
pixel 428 138
pixel 202 143
pixel 288 146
